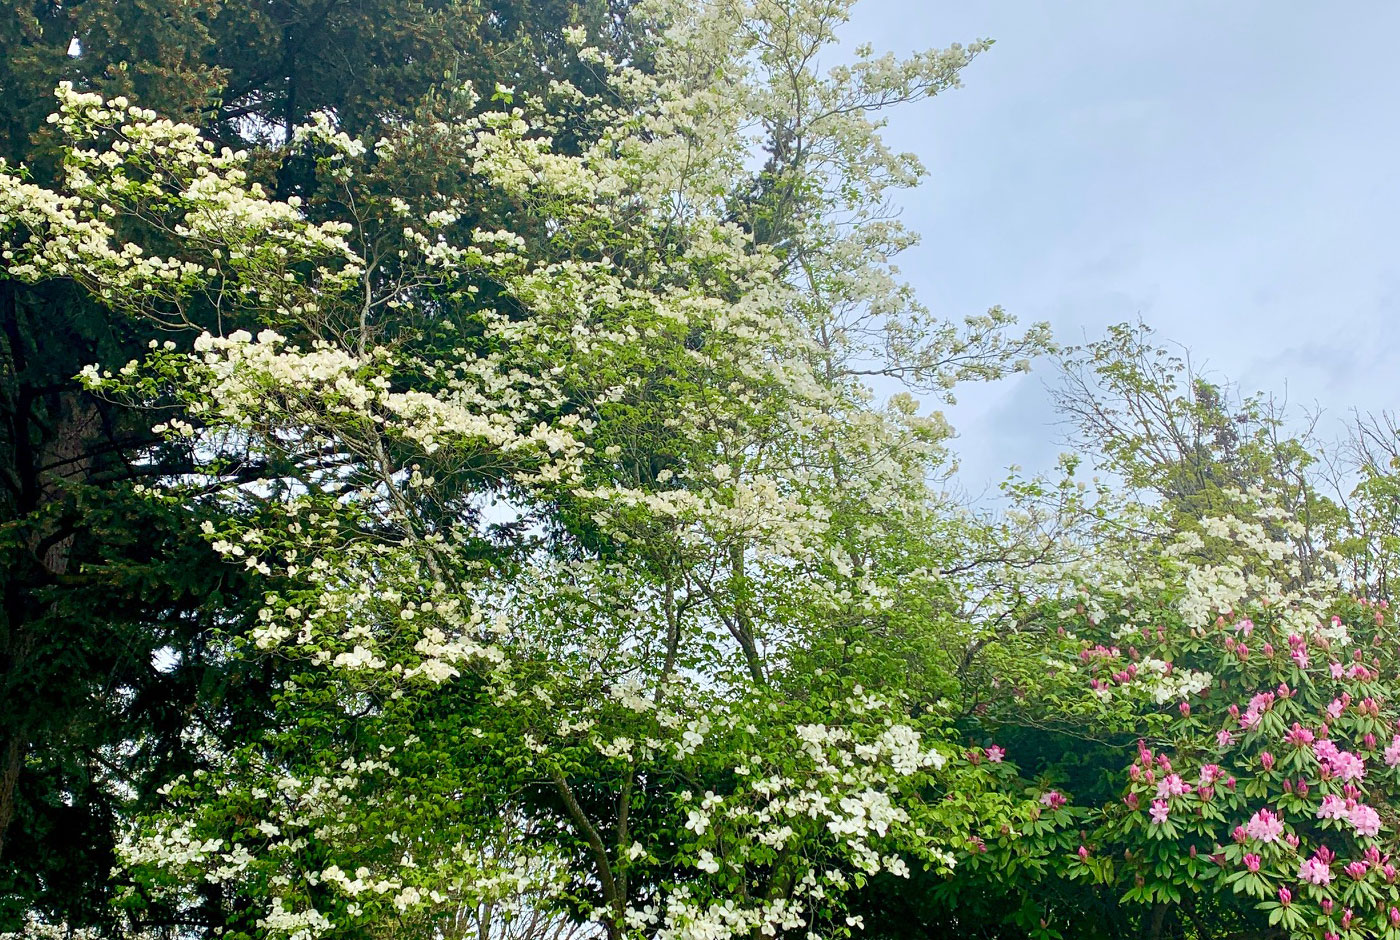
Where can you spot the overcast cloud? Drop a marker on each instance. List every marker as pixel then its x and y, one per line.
pixel 1225 171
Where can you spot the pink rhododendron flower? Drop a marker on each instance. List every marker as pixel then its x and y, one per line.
pixel 1285 897
pixel 1365 819
pixel 1264 826
pixel 1333 807
pixel 1267 760
pixel 1392 753
pixel 1314 872
pixel 1299 736
pixel 1251 861
pixel 1348 766
pixel 1338 671
pixel 1224 738
pixel 1098 652
pixel 1159 811
pixel 1172 785
pixel 1053 799
pixel 996 754
pixel 1356 870
pixel 1343 765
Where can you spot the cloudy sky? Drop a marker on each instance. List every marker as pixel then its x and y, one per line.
pixel 1228 172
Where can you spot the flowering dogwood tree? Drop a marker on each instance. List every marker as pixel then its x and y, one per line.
pixel 583 549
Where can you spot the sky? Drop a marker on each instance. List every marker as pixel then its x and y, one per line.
pixel 1227 172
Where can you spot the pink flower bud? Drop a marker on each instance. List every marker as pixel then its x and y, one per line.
pixel 1285 897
